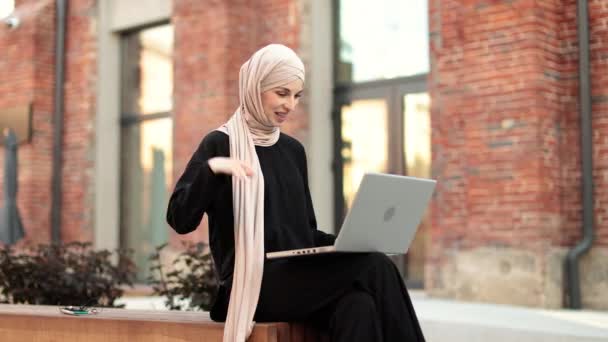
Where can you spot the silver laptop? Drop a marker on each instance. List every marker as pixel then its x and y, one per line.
pixel 384 217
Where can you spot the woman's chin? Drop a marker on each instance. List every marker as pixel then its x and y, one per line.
pixel 278 121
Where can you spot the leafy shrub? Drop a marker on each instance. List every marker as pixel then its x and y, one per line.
pixel 191 284
pixel 64 274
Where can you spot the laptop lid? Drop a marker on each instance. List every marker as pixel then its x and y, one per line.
pixel 385 213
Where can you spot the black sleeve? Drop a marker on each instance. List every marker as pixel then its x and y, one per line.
pixel 321 238
pixel 196 188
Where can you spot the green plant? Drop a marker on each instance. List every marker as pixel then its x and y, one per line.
pixel 64 274
pixel 191 283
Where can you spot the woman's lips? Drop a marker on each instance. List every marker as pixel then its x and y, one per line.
pixel 281 116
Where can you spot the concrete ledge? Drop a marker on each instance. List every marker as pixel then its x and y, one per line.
pixel 46 323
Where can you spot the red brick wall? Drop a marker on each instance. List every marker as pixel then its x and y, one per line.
pixel 80 111
pixel 212 40
pixel 201 53
pixel 28 76
pixel 506 141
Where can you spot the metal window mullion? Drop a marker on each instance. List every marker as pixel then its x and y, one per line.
pixel 128 118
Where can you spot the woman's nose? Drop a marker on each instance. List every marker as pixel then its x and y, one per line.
pixel 290 103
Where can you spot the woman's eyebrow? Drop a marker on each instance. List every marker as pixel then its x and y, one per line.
pixel 288 90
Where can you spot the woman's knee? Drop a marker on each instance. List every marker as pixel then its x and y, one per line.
pixel 355 318
pixel 379 271
pixel 359 302
pixel 380 260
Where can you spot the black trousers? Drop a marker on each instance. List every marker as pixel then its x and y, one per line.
pixel 355 297
pixel 376 308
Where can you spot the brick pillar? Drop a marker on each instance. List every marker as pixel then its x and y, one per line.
pixel 79 116
pixel 506 148
pixel 200 57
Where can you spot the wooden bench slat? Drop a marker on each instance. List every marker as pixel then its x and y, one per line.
pixel 46 323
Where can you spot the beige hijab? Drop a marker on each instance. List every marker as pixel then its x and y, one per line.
pixel 269 67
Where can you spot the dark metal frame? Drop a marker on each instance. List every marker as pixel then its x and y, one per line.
pixel 61 7
pixel 142 27
pixel 130 118
pixel 571 264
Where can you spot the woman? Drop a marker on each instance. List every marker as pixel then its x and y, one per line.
pixel 252 182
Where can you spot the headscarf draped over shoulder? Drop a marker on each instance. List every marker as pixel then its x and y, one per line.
pixel 272 66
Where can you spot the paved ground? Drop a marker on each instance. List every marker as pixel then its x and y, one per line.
pixel 445 320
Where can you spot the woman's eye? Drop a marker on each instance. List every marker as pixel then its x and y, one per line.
pixel 282 94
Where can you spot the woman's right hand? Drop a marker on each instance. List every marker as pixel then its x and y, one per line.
pixel 230 166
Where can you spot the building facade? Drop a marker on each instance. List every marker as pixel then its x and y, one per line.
pixel 482 96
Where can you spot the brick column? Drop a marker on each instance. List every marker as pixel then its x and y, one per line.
pixel 79 117
pixel 506 148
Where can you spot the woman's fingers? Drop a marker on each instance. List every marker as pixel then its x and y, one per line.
pixel 230 166
pixel 248 170
pixel 242 170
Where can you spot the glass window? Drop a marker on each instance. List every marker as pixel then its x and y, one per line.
pixel 382 39
pixel 148 71
pixel 417 150
pixel 146 140
pixel 417 140
pixel 365 139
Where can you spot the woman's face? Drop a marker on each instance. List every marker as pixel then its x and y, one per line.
pixel 280 101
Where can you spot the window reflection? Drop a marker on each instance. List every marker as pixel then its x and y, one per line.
pixel 417 150
pixel 417 130
pixel 146 141
pixel 365 141
pixel 156 67
pixel 147 168
pixel 147 71
pixel 382 39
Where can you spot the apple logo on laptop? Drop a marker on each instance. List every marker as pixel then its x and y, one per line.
pixel 389 213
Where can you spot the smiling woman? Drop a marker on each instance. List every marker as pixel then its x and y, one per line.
pixel 252 182
pixel 279 102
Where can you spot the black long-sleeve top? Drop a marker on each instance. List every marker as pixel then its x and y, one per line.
pixel 289 219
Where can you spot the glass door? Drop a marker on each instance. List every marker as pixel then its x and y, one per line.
pixel 383 126
pixel 379 102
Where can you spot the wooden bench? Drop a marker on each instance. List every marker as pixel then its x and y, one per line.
pixel 45 323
